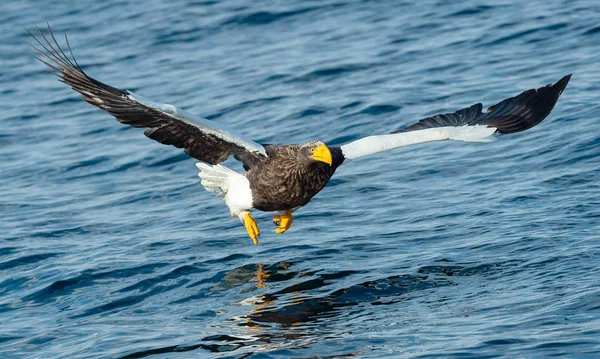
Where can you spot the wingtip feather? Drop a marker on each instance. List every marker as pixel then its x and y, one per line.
pixel 561 84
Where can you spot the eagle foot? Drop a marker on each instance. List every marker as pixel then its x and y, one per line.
pixel 251 227
pixel 283 222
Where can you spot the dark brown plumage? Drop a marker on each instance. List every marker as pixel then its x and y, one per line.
pixel 288 178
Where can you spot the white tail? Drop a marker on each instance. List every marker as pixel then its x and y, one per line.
pixel 215 179
pixel 224 182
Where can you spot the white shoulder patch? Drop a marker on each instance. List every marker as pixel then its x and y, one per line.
pixel 471 133
pixel 374 144
pixel 204 125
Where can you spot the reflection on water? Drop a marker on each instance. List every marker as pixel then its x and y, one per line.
pixel 298 314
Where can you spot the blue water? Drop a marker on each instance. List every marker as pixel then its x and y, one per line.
pixel 110 248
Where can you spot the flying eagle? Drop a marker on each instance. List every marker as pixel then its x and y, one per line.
pixel 283 178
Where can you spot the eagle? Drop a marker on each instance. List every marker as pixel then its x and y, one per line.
pixel 282 178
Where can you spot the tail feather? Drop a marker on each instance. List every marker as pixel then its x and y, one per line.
pixel 215 179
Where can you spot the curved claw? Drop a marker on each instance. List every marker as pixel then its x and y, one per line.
pixel 251 227
pixel 283 222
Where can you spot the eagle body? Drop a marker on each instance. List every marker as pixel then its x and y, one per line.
pixel 283 178
pixel 280 182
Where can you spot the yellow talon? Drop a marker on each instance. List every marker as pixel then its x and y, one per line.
pixel 251 227
pixel 283 222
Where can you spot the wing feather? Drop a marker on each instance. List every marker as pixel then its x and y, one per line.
pixel 200 138
pixel 379 143
pixel 469 124
pixel 515 114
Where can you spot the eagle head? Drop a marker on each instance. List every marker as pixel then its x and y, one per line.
pixel 314 151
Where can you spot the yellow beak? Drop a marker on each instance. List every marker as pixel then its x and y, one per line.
pixel 322 154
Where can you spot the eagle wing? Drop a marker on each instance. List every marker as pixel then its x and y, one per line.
pixel 200 138
pixel 470 124
pixel 515 114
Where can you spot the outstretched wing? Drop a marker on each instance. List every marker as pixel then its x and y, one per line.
pixel 512 115
pixel 470 124
pixel 200 138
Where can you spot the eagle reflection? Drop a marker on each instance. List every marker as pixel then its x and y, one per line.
pixel 314 295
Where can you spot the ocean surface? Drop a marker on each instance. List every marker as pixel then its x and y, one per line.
pixel 111 248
